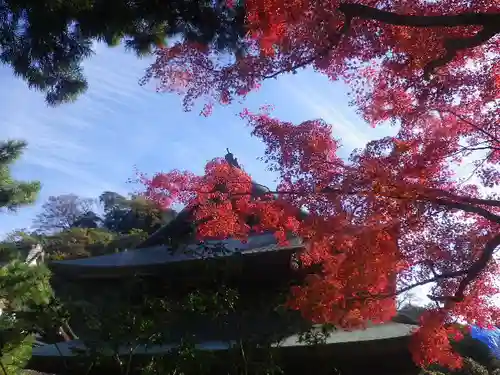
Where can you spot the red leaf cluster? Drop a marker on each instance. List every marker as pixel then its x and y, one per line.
pixel 422 65
pixel 390 219
pixel 394 216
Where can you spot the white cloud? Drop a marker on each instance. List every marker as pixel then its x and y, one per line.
pixel 61 139
pixel 69 147
pixel 327 100
pixel 349 132
pixel 93 144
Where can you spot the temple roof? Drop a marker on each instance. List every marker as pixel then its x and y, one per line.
pixel 184 217
pixel 385 331
pixel 145 258
pixel 153 251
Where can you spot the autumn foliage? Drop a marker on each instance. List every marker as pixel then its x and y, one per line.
pixel 395 215
pixel 390 211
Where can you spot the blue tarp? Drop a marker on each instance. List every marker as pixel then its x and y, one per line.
pixel 490 337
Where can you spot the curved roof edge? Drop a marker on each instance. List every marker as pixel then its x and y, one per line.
pixel 378 332
pixel 162 254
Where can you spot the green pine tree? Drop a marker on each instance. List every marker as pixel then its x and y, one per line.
pixel 45 42
pixel 14 194
pixel 23 288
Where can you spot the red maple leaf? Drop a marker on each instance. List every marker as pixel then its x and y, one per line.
pixel 394 216
pixel 389 220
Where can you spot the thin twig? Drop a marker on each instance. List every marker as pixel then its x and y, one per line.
pixel 3 368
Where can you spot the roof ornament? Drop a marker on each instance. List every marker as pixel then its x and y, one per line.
pixel 231 159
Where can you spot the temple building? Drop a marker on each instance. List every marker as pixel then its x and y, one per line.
pixel 260 270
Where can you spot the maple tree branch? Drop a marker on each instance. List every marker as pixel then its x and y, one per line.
pixel 470 274
pixel 473 271
pixel 472 149
pixel 482 202
pixel 452 20
pixel 489 21
pixel 468 122
pixel 303 64
pixel 437 277
pixel 477 167
pixel 465 199
pixel 479 265
pixel 334 39
pixel 453 45
pixel 466 208
pixel 466 204
pixel 407 288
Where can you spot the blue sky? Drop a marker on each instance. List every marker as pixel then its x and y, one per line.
pixel 93 144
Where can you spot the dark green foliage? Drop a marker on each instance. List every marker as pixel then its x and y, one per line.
pixel 45 42
pixel 22 285
pixel 14 193
pixel 77 243
pixel 131 313
pixel 69 244
pixel 112 212
pixel 477 351
pixel 88 220
pixel 73 227
pixel 478 359
pixel 16 246
pixel 122 215
pixel 23 289
pixel 16 352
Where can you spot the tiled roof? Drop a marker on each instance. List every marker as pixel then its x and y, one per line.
pixel 377 332
pixel 162 254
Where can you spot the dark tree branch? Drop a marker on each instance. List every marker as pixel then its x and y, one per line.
pixel 430 264
pixel 473 271
pixel 489 21
pixel 466 208
pixel 454 45
pixel 407 288
pixel 461 19
pixel 470 274
pixel 479 265
pixel 334 39
pixel 477 127
pixel 467 204
pixel 471 200
pixel 437 277
pixel 448 200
